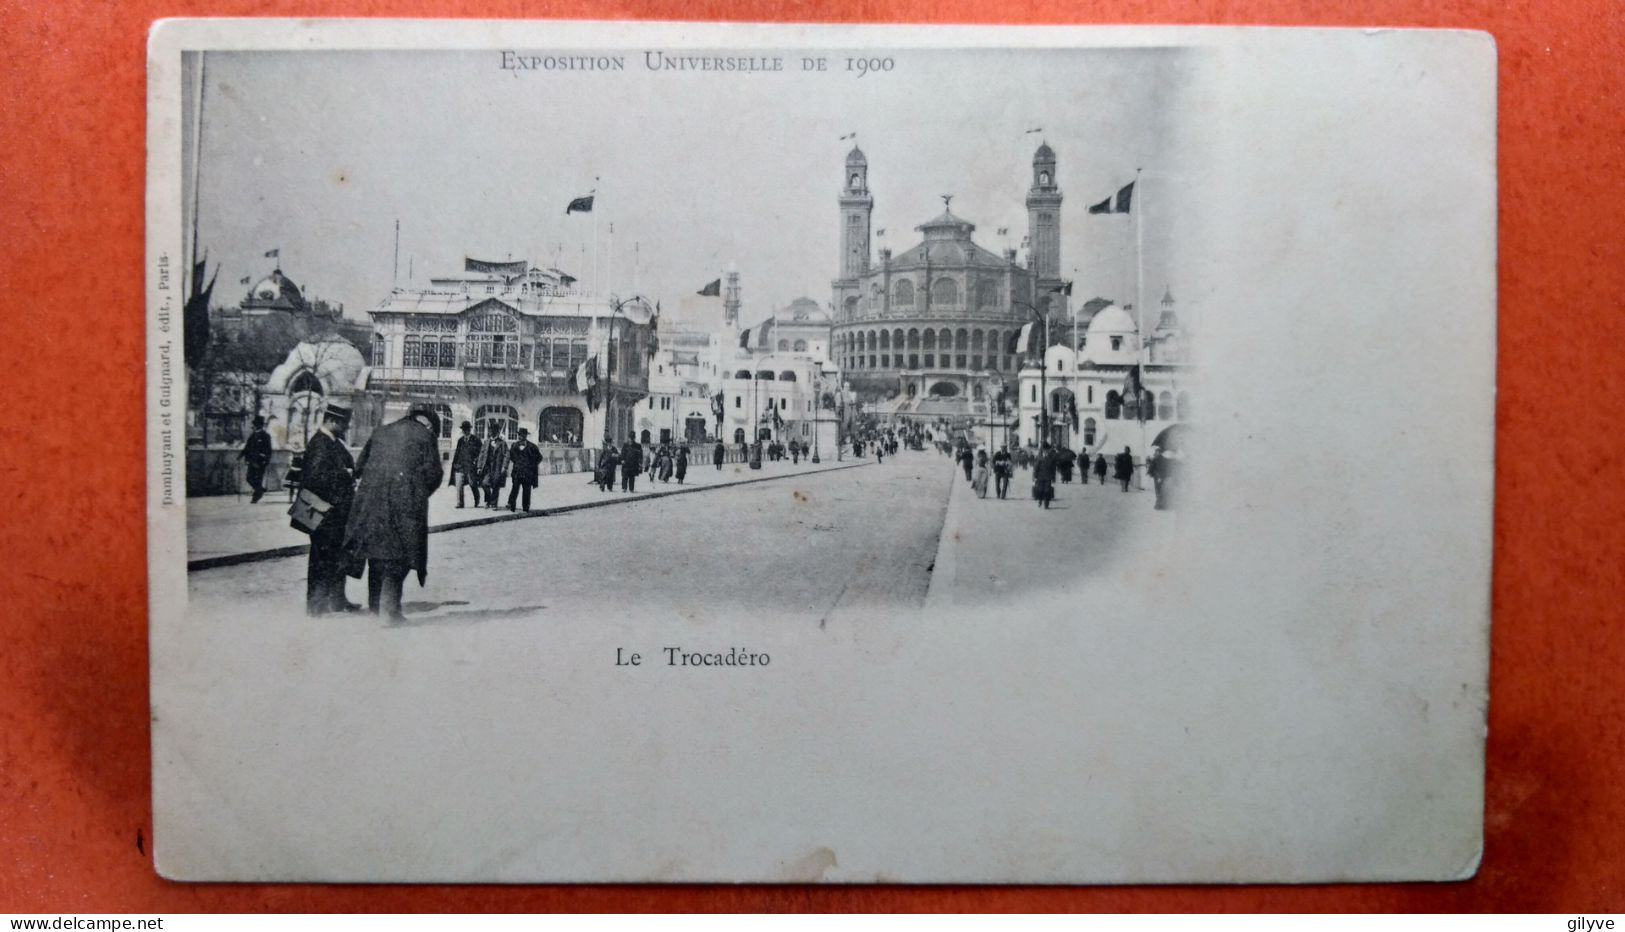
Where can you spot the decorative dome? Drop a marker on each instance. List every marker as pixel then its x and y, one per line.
pixel 1044 152
pixel 946 224
pixel 855 157
pixel 1111 320
pixel 275 291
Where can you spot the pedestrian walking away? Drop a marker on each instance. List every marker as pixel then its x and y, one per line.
pixel 717 454
pixel 631 464
pixel 524 465
pixel 967 461
pixel 257 454
pixel 465 465
pixel 1002 469
pixel 1044 476
pixel 493 465
pixel 1064 458
pixel 1124 467
pixel 329 474
pixel 682 462
pixel 1100 467
pixel 387 534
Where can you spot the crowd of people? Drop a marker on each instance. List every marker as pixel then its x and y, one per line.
pixel 1051 463
pixel 368 515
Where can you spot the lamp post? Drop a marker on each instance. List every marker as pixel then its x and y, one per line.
pixel 617 305
pixel 1043 376
pixel 755 419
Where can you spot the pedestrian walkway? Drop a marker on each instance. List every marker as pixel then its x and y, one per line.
pixel 992 551
pixel 223 530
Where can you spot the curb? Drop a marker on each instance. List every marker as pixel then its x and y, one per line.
pixel 294 550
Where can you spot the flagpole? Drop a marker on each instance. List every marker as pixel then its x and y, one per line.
pixel 197 170
pixel 1139 314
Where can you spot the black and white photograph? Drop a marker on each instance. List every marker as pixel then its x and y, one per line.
pixel 667 452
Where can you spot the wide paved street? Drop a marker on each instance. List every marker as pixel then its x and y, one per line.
pixel 803 547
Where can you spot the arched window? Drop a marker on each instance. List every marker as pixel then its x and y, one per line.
pixel 1088 431
pixel 885 339
pixel 1182 406
pixel 766 375
pixel 945 291
pixel 784 346
pixel 913 339
pixel 1114 405
pixel 305 381
pixel 1165 406
pixel 961 339
pixel 787 376
pixel 801 346
pixel 903 292
pixel 496 421
pixel 976 341
pixel 739 435
pixel 560 424
pixel 305 403
pixel 930 341
pixel 742 374
pixel 851 306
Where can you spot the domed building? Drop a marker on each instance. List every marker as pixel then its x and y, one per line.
pixel 1113 390
pixel 938 322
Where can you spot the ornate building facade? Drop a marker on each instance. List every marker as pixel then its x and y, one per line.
pixel 938 321
pixel 501 345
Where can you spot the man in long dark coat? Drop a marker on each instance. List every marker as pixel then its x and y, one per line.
pixel 682 462
pixel 524 465
pixel 1100 467
pixel 1123 468
pixel 608 459
pixel 399 469
pixel 493 465
pixel 967 460
pixel 257 454
pixel 328 474
pixel 465 464
pixel 1044 475
pixel 1064 458
pixel 631 464
pixel 717 454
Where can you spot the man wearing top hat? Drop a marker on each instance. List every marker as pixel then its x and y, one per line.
pixel 524 460
pixel 328 471
pixel 465 464
pixel 388 530
pixel 257 454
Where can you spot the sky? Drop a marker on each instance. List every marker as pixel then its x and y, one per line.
pixel 318 154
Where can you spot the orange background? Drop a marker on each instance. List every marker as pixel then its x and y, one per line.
pixel 74 788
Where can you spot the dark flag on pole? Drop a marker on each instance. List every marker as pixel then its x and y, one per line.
pixel 195 316
pixel 1117 204
pixel 744 338
pixel 273 253
pixel 712 289
pixel 583 204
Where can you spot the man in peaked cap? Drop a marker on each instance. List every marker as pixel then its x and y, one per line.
pixel 328 469
pixel 388 530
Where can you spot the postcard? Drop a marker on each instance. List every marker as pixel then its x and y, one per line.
pixel 626 452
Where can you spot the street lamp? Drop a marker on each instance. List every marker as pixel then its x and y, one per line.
pixel 1043 375
pixel 617 305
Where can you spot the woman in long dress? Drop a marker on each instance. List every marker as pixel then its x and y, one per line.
pixel 979 481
